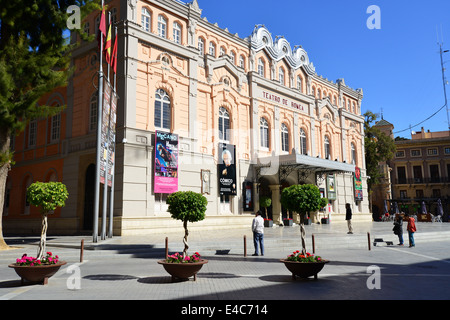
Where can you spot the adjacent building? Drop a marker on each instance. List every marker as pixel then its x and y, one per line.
pixel 254 103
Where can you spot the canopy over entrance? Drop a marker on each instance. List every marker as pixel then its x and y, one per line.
pixel 284 165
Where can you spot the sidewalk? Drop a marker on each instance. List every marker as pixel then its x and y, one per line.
pixel 123 268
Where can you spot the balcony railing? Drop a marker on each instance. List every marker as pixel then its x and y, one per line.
pixel 422 180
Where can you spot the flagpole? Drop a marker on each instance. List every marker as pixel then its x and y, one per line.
pixel 99 132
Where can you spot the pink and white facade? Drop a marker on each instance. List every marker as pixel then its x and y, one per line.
pixel 181 74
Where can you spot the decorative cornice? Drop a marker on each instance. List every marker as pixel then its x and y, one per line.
pixel 280 48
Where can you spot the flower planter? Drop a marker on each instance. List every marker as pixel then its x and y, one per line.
pixel 325 221
pixel 288 222
pixel 307 222
pixel 304 269
pixel 37 273
pixel 183 270
pixel 268 223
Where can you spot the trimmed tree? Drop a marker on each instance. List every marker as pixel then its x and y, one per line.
pixel 48 196
pixel 187 206
pixel 302 199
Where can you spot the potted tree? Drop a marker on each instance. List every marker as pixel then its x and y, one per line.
pixel 48 196
pixel 186 206
pixel 265 202
pixel 302 199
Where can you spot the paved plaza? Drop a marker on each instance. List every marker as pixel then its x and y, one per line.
pixel 126 268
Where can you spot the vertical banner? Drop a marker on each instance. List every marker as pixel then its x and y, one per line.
pixel 227 169
pixel 112 136
pixel 358 184
pixel 104 133
pixel 166 162
pixel 331 188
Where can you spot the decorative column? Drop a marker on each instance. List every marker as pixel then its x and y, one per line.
pixel 276 204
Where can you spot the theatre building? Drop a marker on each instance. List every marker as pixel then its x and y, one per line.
pixel 236 119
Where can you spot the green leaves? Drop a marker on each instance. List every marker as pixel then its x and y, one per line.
pixel 265 201
pixel 47 195
pixel 301 198
pixel 187 206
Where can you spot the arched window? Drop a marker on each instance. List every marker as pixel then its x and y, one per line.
pixel 299 83
pixel 176 32
pixel 303 149
pixel 261 67
pixel 145 19
pixel 212 49
pixel 353 153
pixel 222 51
pixel 55 127
pixel 284 138
pixel 201 46
pixel 162 110
pixel 224 124
pixel 233 57
pixel 93 111
pixel 264 133
pixel 281 75
pixel 162 26
pixel 327 147
pixel 242 62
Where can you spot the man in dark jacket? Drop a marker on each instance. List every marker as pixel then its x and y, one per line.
pixel 398 228
pixel 348 217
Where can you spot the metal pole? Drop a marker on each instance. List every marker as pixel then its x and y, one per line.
pixel 368 239
pixel 99 141
pixel 81 250
pixel 245 246
pixel 167 247
pixel 443 81
pixel 313 244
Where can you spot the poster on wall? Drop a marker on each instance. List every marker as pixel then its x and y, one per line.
pixel 227 169
pixel 247 195
pixel 166 162
pixel 358 184
pixel 331 188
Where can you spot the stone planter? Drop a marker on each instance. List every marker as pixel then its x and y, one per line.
pixel 183 270
pixel 288 222
pixel 307 222
pixel 325 221
pixel 268 223
pixel 304 269
pixel 37 273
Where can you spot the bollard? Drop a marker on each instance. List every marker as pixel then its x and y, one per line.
pixel 245 246
pixel 313 244
pixel 81 250
pixel 167 247
pixel 368 239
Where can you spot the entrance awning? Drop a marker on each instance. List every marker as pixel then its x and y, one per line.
pixel 283 165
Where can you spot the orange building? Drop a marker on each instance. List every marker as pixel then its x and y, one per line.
pixel 179 73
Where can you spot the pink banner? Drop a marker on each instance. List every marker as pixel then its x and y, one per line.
pixel 166 162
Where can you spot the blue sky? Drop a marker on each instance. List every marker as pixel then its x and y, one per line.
pixel 398 66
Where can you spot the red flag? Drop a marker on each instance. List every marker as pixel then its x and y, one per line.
pixel 108 46
pixel 114 56
pixel 101 27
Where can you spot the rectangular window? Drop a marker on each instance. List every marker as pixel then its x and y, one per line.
pixel 417 170
pixel 432 152
pixel 56 123
pixel 416 153
pixel 447 150
pixel 401 175
pixel 434 173
pixel 436 193
pixel 419 194
pixel 400 154
pixel 403 194
pixel 32 134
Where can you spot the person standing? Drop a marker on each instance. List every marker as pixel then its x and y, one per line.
pixel 258 233
pixel 411 229
pixel 348 217
pixel 398 228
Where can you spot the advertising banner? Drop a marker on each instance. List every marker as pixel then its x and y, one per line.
pixel 108 134
pixel 227 169
pixel 358 184
pixel 166 162
pixel 331 188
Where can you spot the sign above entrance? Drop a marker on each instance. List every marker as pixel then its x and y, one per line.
pixel 267 95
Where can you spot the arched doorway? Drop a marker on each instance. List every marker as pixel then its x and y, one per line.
pixel 89 193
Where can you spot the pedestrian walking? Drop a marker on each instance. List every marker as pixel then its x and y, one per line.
pixel 398 228
pixel 348 217
pixel 258 233
pixel 411 229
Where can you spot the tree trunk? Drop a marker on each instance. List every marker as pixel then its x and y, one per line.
pixel 41 249
pixel 303 233
pixel 4 168
pixel 186 233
